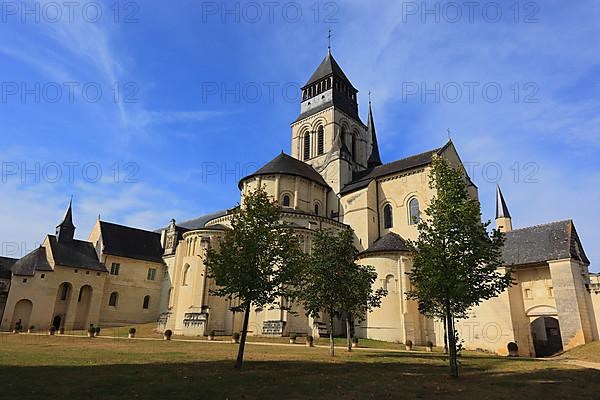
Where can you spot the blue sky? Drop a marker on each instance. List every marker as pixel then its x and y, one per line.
pixel 194 111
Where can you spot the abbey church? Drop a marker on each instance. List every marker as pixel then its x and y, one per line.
pixel 333 178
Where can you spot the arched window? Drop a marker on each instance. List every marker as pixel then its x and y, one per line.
pixel 320 140
pixel 317 209
pixel 354 148
pixel 413 211
pixel 113 299
pixel 286 200
pixel 146 302
pixel 186 273
pixel 306 146
pixel 389 283
pixel 343 133
pixel 388 216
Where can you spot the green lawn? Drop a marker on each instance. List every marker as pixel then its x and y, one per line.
pixel 42 367
pixel 589 352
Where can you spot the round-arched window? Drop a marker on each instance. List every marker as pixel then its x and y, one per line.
pixel 388 217
pixel 414 212
pixel 286 200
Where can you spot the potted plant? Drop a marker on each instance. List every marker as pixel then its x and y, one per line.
pixel 51 330
pixel 167 335
pixel 97 332
pixel 91 331
pixel 18 327
pixel 211 335
pixel 309 341
pixel 513 349
pixel 132 332
pixel 30 329
pixel 235 338
pixel 429 346
pixel 293 337
pixel 409 345
pixel 354 341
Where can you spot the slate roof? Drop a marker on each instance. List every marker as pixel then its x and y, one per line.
pixel 328 66
pixel 6 264
pixel 125 241
pixel 387 243
pixel 362 179
pixel 76 254
pixel 542 243
pixel 34 261
pixel 199 222
pixel 288 165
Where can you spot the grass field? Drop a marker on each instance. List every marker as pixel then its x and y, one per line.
pixel 42 367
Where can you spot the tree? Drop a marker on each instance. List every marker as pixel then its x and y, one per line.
pixel 457 263
pixel 332 281
pixel 257 260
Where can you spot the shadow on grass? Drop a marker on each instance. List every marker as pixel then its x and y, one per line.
pixel 297 380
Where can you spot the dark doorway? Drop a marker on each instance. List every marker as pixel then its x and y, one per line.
pixel 546 336
pixel 56 322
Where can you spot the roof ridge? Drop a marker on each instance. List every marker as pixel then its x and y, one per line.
pixel 128 227
pixel 568 220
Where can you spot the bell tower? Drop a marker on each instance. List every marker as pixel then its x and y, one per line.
pixel 329 134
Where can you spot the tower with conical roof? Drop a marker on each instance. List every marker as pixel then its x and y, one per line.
pixel 503 218
pixel 329 134
pixel 65 231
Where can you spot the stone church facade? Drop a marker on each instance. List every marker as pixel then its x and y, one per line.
pixel 334 178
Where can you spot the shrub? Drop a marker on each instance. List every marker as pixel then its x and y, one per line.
pixel 293 336
pixel 31 327
pixel 355 339
pixel 97 331
pixel 132 331
pixel 18 327
pixel 236 336
pixel 168 333
pixel 430 344
pixel 310 339
pixel 212 333
pixel 91 330
pixel 409 343
pixel 512 346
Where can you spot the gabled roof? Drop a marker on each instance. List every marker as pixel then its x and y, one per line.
pixel 34 261
pixel 75 254
pixel 362 179
pixel 125 241
pixel 288 165
pixel 6 264
pixel 328 67
pixel 390 242
pixel 543 243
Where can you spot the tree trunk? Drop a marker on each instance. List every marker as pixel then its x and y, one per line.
pixel 451 342
pixel 331 346
pixel 445 337
pixel 348 335
pixel 240 357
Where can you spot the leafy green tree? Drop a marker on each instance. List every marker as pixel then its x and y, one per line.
pixel 457 263
pixel 258 259
pixel 333 282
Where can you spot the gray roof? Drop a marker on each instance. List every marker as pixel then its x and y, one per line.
pixel 199 222
pixel 363 178
pixel 542 243
pixel 125 241
pixel 390 242
pixel 374 158
pixel 288 165
pixel 6 264
pixel 75 254
pixel 34 261
pixel 328 67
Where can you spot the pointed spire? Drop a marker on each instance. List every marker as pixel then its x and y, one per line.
pixel 501 208
pixel 374 159
pixel 65 231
